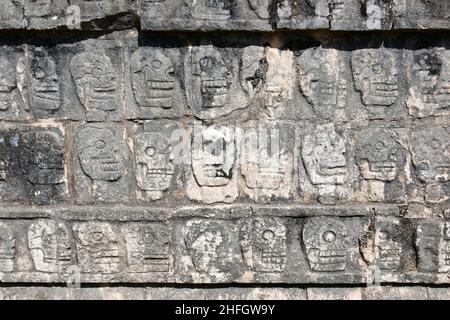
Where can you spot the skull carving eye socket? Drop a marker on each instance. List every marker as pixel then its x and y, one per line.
pixel 377 68
pixel 150 151
pixel 423 167
pixel 435 144
pixel 97 236
pixel 206 63
pixel 268 235
pixel 329 236
pixel 383 235
pixel 100 144
pixel 97 73
pixel 39 73
pixel 156 64
pixel 379 146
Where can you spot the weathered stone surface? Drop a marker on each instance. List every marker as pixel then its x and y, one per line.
pixel 313 164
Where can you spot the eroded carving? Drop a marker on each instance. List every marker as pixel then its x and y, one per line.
pixel 213 165
pixel 212 9
pixel 326 244
pixel 208 244
pixel 263 244
pixel 147 247
pixel 323 154
pixel 279 80
pixel 96 83
pixel 154 167
pixel 267 169
pixel 51 246
pixel 375 75
pixel 430 149
pixel 7 248
pixel 7 83
pixel 100 247
pixel 153 78
pixel 377 153
pixel 427 240
pixel 320 80
pixel 42 162
pixel 44 82
pixel 98 153
pixel 429 90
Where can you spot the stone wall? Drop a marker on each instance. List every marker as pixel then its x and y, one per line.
pixel 225 142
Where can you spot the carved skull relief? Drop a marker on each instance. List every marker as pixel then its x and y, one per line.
pixel 42 157
pixel 7 248
pixel 7 83
pixel 319 79
pixel 99 247
pixel 50 244
pixel 152 77
pixel 147 247
pixel 376 155
pixel 98 153
pixel 375 74
pixel 323 153
pixel 208 244
pixel 96 83
pixel 44 82
pixel 213 156
pixel 154 168
pixel 266 169
pixel 263 244
pixel 431 154
pixel 326 244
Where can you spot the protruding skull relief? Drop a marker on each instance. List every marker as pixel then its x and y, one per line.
pixel 99 155
pixel 376 155
pixel 323 154
pixel 212 9
pixel 252 69
pixel 429 90
pixel 42 162
pixel 388 249
pixel 153 78
pixel 326 241
pixel 100 247
pixel 210 79
pixel 431 158
pixel 263 244
pixel 213 156
pixel 147 247
pixel 7 83
pixel 208 244
pixel 427 240
pixel 96 84
pixel 267 170
pixel 154 167
pixel 319 78
pixel 7 248
pixel 44 82
pixel 375 74
pixel 51 246
pixel 279 80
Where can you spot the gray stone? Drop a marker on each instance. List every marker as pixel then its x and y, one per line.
pixel 395 293
pixel 101 164
pixel 334 293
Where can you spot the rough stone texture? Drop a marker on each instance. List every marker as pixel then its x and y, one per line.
pixel 248 165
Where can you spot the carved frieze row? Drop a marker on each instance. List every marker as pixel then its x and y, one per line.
pixel 166 161
pixel 105 80
pixel 261 249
